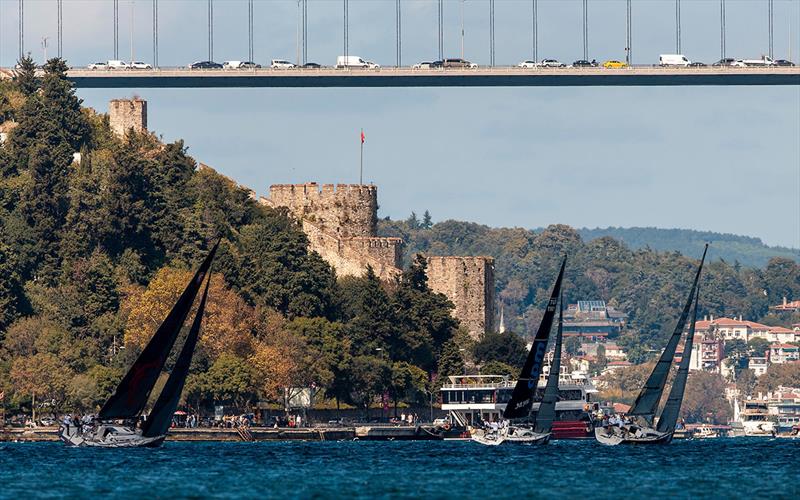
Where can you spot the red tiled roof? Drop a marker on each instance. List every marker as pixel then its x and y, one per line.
pixel 706 324
pixel 782 346
pixel 780 329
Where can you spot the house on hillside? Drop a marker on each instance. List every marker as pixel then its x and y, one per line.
pixel 593 320
pixel 783 353
pixel 786 306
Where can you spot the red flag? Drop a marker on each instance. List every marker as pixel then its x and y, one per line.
pixel 362 137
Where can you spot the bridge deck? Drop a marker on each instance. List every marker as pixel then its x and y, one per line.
pixel 407 77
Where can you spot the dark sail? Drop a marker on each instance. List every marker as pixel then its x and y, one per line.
pixel 650 395
pixel 669 415
pixel 160 418
pixel 547 408
pixel 522 398
pixel 131 394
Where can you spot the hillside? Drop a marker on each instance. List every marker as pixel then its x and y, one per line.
pixel 748 251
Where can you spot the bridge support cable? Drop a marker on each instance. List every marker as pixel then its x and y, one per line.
pixel 21 29
pixel 678 27
pixel 210 30
pixel 585 30
pixel 535 30
pixel 155 33
pixel 629 34
pixel 116 29
pixel 722 29
pixel 346 26
pixel 59 37
pixel 770 14
pixel 441 29
pixel 305 30
pixel 398 29
pixel 491 33
pixel 250 30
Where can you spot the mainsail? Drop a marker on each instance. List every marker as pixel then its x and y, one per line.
pixel 647 401
pixel 669 415
pixel 131 394
pixel 547 408
pixel 160 418
pixel 522 397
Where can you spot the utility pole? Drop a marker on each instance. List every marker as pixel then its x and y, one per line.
pixel 210 30
pixel 44 46
pixel 535 29
pixel 678 27
pixel 116 29
pixel 155 33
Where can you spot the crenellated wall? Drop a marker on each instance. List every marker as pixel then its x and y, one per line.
pixel 469 283
pixel 126 114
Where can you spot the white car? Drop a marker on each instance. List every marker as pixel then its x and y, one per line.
pixel 116 64
pixel 140 65
pixel 98 65
pixel 527 64
pixel 551 63
pixel 281 64
pixel 422 65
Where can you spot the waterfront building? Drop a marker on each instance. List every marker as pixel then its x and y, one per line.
pixel 707 355
pixel 783 353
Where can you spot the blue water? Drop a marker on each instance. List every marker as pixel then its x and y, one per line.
pixel 721 468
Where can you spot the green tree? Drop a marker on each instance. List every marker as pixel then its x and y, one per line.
pixel 572 346
pixel 757 346
pixel 451 361
pixel 505 347
pixel 704 400
pixel 499 368
pixel 231 380
pixel 25 78
pixel 369 377
pixel 408 383
pixel 427 220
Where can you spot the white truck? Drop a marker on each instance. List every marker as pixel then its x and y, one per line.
pixel 764 61
pixel 673 60
pixel 354 62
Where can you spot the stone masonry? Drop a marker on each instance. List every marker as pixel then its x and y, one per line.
pixel 469 283
pixel 126 114
pixel 341 223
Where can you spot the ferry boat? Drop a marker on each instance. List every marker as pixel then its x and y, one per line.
pixel 472 399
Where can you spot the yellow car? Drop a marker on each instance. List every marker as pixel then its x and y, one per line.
pixel 614 64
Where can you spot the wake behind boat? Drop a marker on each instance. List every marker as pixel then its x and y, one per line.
pixel 521 402
pixel 642 429
pixel 118 423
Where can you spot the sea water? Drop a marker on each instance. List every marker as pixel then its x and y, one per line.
pixel 714 468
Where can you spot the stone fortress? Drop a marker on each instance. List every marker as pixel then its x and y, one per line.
pixel 341 224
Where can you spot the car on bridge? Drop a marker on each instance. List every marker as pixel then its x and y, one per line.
pixel 552 63
pixel 784 62
pixel 140 65
pixel 697 64
pixel 422 65
pixel 98 65
pixel 240 65
pixel 354 62
pixel 614 64
pixel 583 63
pixel 312 65
pixel 457 62
pixel 727 61
pixel 205 65
pixel 117 64
pixel 528 64
pixel 281 64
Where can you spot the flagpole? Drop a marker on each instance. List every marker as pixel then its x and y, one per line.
pixel 361 168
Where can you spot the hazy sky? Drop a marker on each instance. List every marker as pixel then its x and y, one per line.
pixel 710 158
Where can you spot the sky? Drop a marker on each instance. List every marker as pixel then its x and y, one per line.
pixel 707 158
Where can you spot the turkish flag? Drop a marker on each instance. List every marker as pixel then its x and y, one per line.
pixel 362 137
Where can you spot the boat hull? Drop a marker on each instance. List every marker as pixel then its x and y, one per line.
pixel 613 436
pixel 511 435
pixel 108 436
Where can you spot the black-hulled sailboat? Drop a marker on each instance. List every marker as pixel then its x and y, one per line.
pixel 643 429
pixel 513 429
pixel 118 424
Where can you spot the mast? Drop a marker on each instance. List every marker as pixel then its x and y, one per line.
pixel 522 398
pixel 161 417
pixel 672 408
pixel 650 395
pixel 132 392
pixel 547 408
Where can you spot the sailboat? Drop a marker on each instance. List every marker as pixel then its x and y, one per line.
pixel 643 429
pixel 521 402
pixel 118 425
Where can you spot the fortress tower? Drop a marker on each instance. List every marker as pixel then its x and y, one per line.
pixel 125 114
pixel 469 283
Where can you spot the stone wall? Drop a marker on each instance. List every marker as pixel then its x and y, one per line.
pixel 347 210
pixel 469 283
pixel 126 114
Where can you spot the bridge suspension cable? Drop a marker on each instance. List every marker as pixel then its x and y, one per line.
pixel 678 26
pixel 629 34
pixel 491 33
pixel 398 28
pixel 535 29
pixel 722 29
pixel 441 30
pixel 305 31
pixel 116 29
pixel 59 37
pixel 250 30
pixel 585 30
pixel 346 26
pixel 155 33
pixel 770 13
